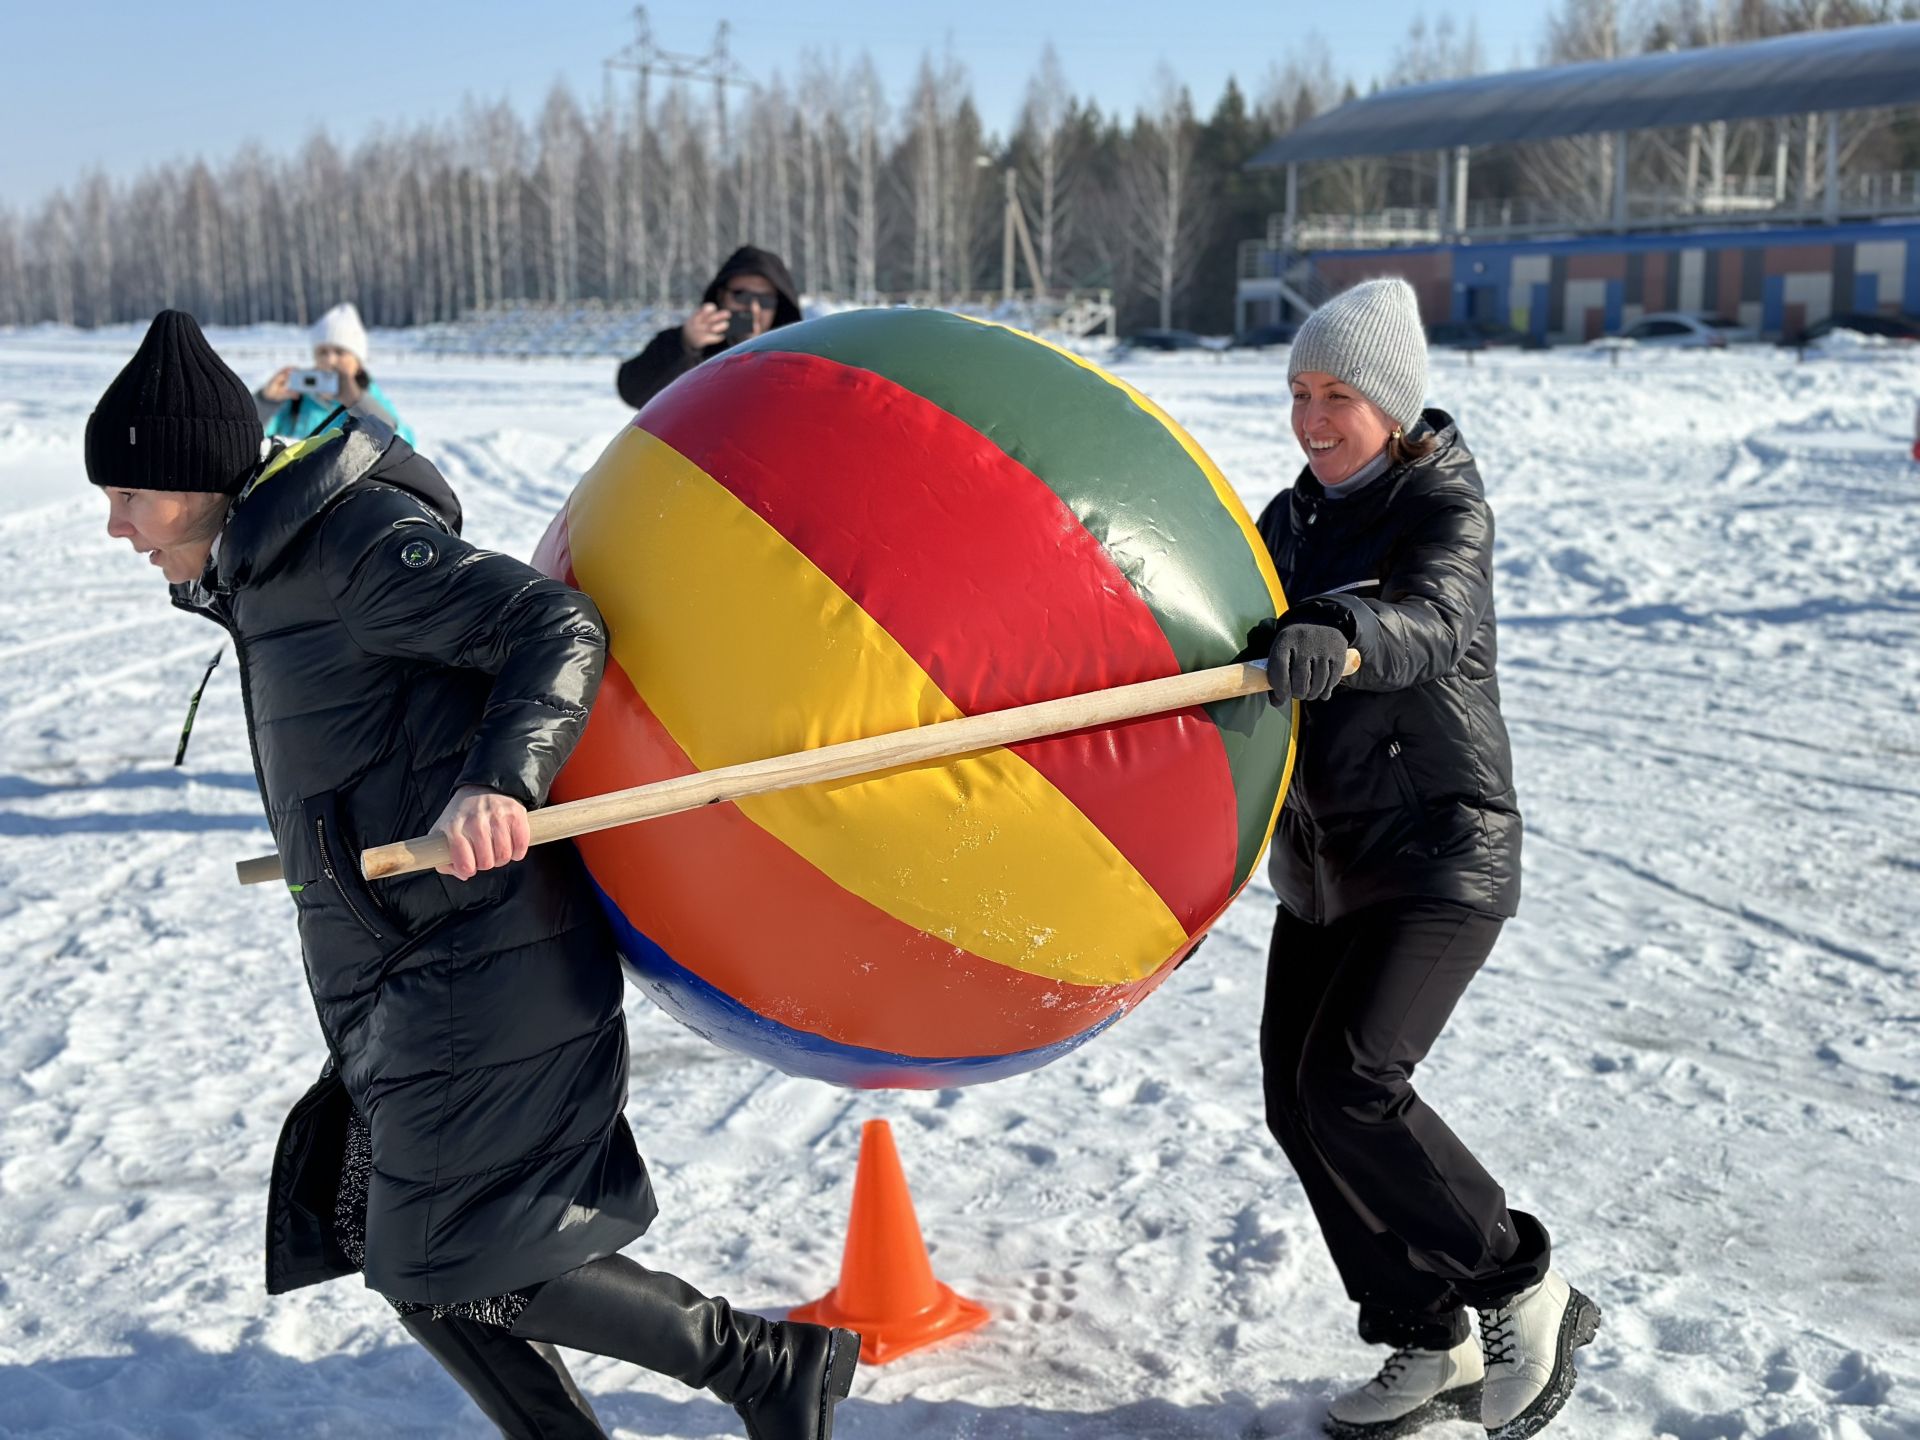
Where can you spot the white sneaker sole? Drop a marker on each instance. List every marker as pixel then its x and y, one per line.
pixel 1578 1325
pixel 1460 1403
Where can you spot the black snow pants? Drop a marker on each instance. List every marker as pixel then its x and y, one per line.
pixel 1417 1228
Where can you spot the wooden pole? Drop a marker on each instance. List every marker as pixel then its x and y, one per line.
pixel 1006 244
pixel 1019 217
pixel 872 755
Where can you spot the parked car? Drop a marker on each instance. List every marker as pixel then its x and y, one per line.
pixel 1164 340
pixel 1475 335
pixel 1262 336
pixel 1672 329
pixel 1889 327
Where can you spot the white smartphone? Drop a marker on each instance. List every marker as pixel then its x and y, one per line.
pixel 321 384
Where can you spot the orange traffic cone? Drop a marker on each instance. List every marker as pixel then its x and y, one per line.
pixel 887 1291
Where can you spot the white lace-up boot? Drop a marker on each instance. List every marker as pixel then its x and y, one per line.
pixel 1528 1341
pixel 1413 1389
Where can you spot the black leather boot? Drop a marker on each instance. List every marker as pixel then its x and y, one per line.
pixel 813 1371
pixel 521 1386
pixel 783 1378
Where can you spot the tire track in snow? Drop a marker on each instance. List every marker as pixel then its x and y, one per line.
pixel 1745 914
pixel 71 638
pixel 95 681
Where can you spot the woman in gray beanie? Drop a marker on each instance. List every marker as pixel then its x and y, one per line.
pixel 1396 861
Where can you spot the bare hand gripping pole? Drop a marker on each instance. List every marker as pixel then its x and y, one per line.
pixel 869 756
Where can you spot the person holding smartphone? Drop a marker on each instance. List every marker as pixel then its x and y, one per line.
pixel 296 401
pixel 752 294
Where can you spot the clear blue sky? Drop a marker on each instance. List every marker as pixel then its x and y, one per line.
pixel 124 86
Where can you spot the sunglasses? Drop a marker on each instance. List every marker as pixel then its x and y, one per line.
pixel 755 298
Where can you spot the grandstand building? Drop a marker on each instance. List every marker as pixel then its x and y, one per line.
pixel 1775 260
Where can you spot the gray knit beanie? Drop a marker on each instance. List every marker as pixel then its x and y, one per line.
pixel 1371 338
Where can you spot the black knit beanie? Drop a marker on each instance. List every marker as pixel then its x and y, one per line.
pixel 176 418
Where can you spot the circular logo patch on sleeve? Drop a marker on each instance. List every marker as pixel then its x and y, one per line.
pixel 417 554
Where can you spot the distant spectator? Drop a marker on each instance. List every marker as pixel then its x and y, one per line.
pixel 340 347
pixel 754 283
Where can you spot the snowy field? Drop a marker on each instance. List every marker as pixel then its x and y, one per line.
pixel 1696 1054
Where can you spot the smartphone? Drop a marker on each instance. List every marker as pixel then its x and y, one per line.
pixel 321 384
pixel 739 327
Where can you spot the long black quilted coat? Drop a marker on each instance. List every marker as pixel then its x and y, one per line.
pixel 1403 781
pixel 384 662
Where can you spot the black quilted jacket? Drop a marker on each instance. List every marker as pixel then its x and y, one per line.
pixel 384 662
pixel 1403 782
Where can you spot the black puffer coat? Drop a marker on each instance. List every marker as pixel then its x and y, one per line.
pixel 667 358
pixel 1403 783
pixel 477 1026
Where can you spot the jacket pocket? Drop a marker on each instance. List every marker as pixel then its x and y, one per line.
pixel 1410 797
pixel 337 859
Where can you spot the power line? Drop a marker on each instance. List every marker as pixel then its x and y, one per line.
pixel 646 58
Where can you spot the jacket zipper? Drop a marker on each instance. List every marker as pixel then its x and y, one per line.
pixel 326 867
pixel 218 613
pixel 1408 793
pixel 1401 778
pixel 1313 869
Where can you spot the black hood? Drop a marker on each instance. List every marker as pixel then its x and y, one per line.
pixel 752 260
pixel 298 483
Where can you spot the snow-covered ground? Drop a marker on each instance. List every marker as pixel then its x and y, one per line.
pixel 1696 1053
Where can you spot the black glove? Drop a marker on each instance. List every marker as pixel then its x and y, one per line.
pixel 1306 662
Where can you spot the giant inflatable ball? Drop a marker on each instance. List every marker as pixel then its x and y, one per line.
pixel 878 520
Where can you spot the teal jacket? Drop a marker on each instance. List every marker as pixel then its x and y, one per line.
pixel 300 417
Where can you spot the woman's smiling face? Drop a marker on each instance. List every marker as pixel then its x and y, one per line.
pixel 1339 428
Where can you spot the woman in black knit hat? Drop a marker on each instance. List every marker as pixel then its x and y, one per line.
pixel 465 1147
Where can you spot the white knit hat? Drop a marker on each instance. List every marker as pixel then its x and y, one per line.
pixel 341 326
pixel 1371 338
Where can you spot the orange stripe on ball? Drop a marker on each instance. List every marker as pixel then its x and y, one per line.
pixel 741 910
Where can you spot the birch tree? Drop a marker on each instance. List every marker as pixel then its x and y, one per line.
pixel 866 222
pixel 1573 176
pixel 561 144
pixel 1050 166
pixel 14 308
pixel 1164 203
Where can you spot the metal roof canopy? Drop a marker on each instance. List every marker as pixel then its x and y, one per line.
pixel 1864 67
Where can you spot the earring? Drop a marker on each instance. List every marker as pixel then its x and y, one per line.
pixel 1396 433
